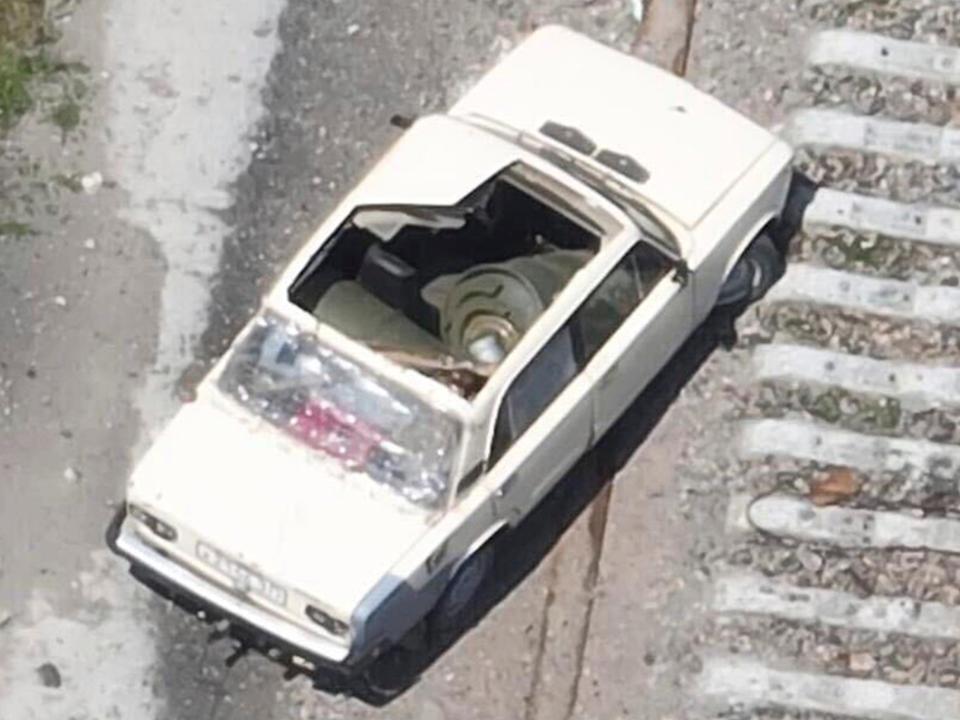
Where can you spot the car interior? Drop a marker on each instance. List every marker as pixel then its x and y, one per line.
pixel 447 289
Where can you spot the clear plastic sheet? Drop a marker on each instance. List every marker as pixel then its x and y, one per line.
pixel 343 410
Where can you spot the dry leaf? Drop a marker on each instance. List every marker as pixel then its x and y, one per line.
pixel 838 485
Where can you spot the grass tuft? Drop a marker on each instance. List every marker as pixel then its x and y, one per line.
pixel 14 229
pixel 66 116
pixel 21 28
pixel 21 23
pixel 15 99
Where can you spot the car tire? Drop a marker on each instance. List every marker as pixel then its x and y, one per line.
pixel 386 678
pixel 760 266
pixel 456 607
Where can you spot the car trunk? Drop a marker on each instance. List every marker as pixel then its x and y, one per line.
pixel 693 147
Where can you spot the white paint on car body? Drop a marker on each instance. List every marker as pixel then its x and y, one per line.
pixel 491 132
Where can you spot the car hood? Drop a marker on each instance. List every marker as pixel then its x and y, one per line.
pixel 292 514
pixel 693 146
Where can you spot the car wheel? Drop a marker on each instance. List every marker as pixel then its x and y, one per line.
pixel 386 678
pixel 457 604
pixel 754 274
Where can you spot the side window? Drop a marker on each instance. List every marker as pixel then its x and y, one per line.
pixel 532 391
pixel 618 295
pixel 651 266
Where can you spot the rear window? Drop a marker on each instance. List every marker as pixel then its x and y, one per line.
pixel 340 409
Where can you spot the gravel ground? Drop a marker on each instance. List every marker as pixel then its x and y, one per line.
pixel 878 176
pixel 568 640
pixel 928 576
pixel 879 256
pixel 891 339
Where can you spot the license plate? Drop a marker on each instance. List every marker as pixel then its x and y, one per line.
pixel 244 579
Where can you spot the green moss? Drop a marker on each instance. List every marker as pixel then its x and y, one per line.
pixel 15 229
pixel 21 23
pixel 24 64
pixel 70 182
pixel 797 326
pixel 826 407
pixel 865 252
pixel 21 27
pixel 876 414
pixel 884 415
pixel 80 88
pixel 15 99
pixel 66 116
pixel 20 74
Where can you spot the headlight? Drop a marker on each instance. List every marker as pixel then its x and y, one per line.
pixel 157 527
pixel 328 623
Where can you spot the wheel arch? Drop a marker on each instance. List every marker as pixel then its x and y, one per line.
pixel 768 220
pixel 487 536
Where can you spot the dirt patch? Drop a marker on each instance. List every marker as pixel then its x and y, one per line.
pixel 21 27
pixel 21 23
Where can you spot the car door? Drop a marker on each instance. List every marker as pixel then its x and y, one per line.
pixel 630 326
pixel 542 427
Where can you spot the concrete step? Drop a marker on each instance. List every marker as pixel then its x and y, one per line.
pixel 830 446
pixel 796 518
pixel 860 293
pixel 911 141
pixel 757 595
pixel 912 384
pixel 925 224
pixel 882 55
pixel 742 682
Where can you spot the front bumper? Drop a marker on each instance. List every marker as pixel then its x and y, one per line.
pixel 260 628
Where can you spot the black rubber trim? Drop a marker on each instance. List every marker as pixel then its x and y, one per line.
pixel 623 164
pixel 470 477
pixel 569 136
pixel 113 530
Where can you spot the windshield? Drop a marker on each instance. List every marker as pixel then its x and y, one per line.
pixel 344 411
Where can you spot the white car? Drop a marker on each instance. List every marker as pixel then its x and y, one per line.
pixel 461 329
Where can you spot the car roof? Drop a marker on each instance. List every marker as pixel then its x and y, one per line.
pixel 416 172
